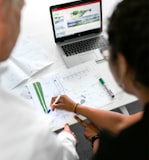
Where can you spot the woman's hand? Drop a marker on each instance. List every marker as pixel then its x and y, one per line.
pixel 64 103
pixel 90 131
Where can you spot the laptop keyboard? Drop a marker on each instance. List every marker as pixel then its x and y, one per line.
pixel 85 45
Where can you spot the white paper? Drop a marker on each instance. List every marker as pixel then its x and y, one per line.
pixel 81 83
pixel 27 58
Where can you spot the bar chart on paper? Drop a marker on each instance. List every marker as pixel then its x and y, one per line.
pixel 81 83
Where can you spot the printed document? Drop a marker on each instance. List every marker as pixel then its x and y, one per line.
pixel 81 83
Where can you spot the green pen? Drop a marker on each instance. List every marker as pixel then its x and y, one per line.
pixel 106 88
pixel 39 91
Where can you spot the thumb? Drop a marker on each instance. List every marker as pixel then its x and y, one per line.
pixel 67 128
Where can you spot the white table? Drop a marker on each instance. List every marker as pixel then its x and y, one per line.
pixel 36 23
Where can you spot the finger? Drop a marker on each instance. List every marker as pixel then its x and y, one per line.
pixel 52 104
pixel 52 100
pixel 52 107
pixel 58 106
pixel 80 121
pixel 66 127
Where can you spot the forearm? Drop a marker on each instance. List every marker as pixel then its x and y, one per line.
pixel 111 121
pixel 108 120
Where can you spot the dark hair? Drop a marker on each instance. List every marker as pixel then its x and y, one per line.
pixel 128 33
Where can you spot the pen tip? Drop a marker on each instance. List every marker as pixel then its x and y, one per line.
pixel 101 80
pixel 113 96
pixel 49 111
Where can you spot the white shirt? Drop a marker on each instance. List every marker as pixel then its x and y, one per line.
pixel 25 133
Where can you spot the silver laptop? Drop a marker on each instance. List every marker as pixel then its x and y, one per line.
pixel 77 28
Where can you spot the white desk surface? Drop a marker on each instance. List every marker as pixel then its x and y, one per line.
pixel 36 23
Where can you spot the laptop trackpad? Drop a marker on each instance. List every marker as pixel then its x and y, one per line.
pixel 90 55
pixel 82 57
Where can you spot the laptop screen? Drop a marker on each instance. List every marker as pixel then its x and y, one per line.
pixel 75 19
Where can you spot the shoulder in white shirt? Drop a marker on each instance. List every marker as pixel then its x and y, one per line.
pixel 25 133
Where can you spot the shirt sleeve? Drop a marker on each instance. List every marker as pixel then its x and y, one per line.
pixel 69 142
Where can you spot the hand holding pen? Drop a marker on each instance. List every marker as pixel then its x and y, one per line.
pixel 57 99
pixel 62 102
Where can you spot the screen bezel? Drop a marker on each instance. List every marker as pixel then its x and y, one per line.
pixel 61 39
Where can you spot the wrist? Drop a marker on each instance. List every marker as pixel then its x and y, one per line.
pixel 74 109
pixel 95 138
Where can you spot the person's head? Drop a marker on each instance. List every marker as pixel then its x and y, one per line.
pixel 10 11
pixel 128 32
